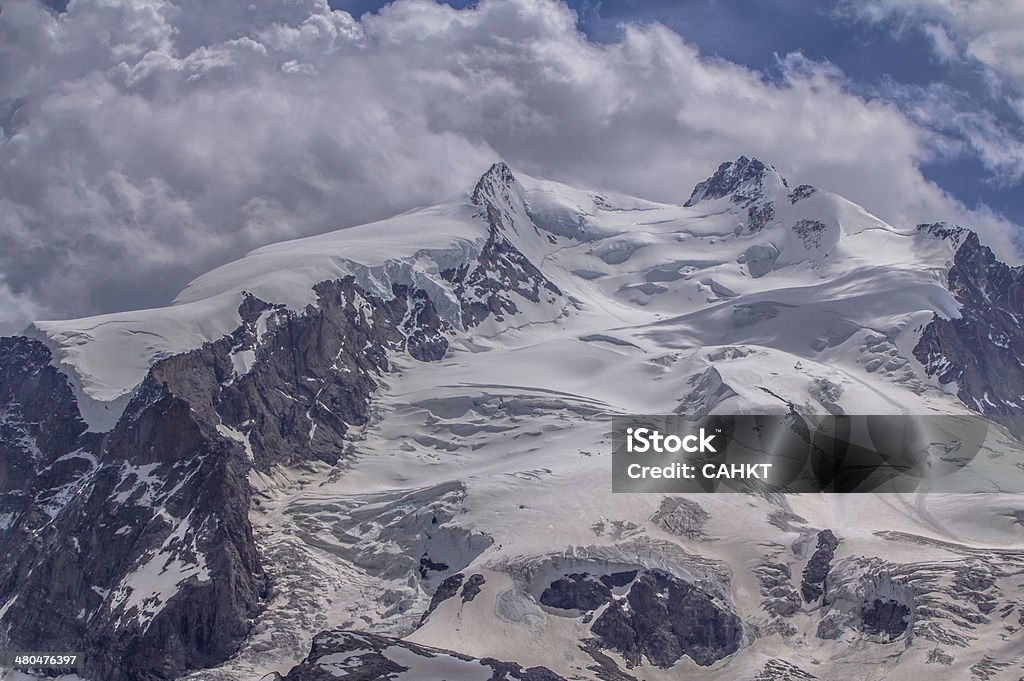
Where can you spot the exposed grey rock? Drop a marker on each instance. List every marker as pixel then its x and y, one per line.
pixel 40 427
pixel 810 232
pixel 760 216
pixel 618 580
pixel 827 394
pixel 831 627
pixel 817 568
pixel 980 349
pixel 666 619
pixel 487 286
pixel 988 667
pixel 741 180
pixel 682 517
pixel 780 670
pixel 729 352
pixel 777 594
pixel 427 565
pixel 888 618
pixel 362 656
pixel 882 602
pixel 801 192
pixel 616 529
pixel 166 492
pixel 446 590
pixel 943 230
pixel 707 390
pixel 605 668
pixel 578 591
pixel 472 588
pixel 603 338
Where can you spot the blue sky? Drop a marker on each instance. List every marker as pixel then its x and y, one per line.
pixel 873 56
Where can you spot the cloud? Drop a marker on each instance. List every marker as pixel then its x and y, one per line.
pixel 990 32
pixel 961 127
pixel 145 141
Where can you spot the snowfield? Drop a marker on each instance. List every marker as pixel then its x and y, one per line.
pixel 495 460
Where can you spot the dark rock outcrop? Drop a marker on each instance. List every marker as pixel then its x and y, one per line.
pixel 979 351
pixel 43 444
pixel 801 192
pixel 780 670
pixel 489 285
pixel 618 580
pixel 149 566
pixel 135 546
pixel 360 656
pixel 576 592
pixel 448 588
pixel 887 618
pixel 668 618
pixel 817 568
pixel 741 180
pixel 472 588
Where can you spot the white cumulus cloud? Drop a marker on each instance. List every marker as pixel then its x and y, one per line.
pixel 145 141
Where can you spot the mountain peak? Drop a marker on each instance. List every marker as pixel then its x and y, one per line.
pixel 743 180
pixel 496 181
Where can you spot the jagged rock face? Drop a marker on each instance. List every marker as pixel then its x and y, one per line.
pixel 485 287
pixel 358 656
pixel 812 586
pixel 149 565
pixel 778 596
pixel 45 457
pixel 576 592
pixel 780 670
pixel 888 618
pixel 801 192
pixel 39 426
pixel 741 180
pixel 682 517
pixel 980 351
pixel 472 589
pixel 448 588
pixel 312 376
pixel 666 619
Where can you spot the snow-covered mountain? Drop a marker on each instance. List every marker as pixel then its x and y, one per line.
pixel 395 438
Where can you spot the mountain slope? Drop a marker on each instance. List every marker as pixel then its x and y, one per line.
pixel 345 432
